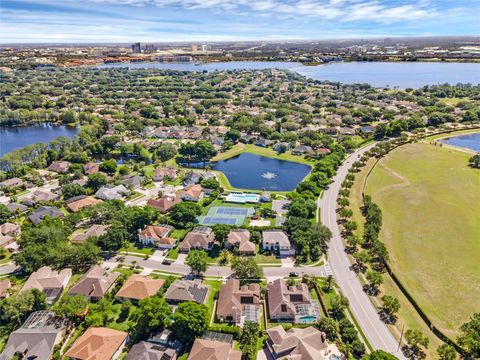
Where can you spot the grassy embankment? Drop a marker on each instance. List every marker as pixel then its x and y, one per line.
pixel 430 203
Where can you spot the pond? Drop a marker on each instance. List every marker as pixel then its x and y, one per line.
pixel 12 138
pixel 468 141
pixel 255 172
pixel 393 74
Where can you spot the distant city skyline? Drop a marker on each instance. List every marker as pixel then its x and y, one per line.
pixel 121 21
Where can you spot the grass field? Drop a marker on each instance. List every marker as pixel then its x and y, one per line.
pixel 430 200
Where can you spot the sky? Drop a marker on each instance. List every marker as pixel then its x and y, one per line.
pixel 114 21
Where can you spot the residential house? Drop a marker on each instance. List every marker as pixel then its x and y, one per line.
pixel 6 241
pixel 187 290
pixel 277 241
pixel 12 183
pixel 44 196
pixel 239 304
pixel 9 229
pixel 191 193
pixel 323 151
pixel 240 239
pixel 164 173
pixel 157 235
pixel 302 150
pixel 78 203
pixel 36 338
pixel 50 282
pixel 201 237
pixel 132 182
pixel 98 343
pixel 164 204
pixel 367 129
pixel 204 349
pixel 192 178
pixel 93 231
pixel 15 208
pixel 139 287
pixel 59 167
pixel 110 192
pixel 291 303
pixel 42 212
pixel 264 142
pixel 301 344
pixel 281 146
pixel 346 131
pixel 95 284
pixel 4 286
pixel 91 168
pixel 149 351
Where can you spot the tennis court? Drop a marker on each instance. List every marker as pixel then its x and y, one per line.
pixel 226 215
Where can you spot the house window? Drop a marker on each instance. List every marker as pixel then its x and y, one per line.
pixel 284 308
pixel 246 300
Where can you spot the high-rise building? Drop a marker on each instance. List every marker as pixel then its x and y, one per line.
pixel 149 49
pixel 136 49
pixel 204 47
pixel 194 48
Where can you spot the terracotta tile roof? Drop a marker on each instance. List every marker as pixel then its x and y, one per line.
pixel 213 350
pixel 155 232
pixel 97 344
pixel 280 294
pixel 232 295
pixel 301 344
pixel 164 203
pixel 78 204
pixel 139 287
pixel 198 238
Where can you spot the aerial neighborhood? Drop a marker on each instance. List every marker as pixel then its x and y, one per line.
pixel 183 219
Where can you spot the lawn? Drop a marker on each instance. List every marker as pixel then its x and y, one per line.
pixel 431 225
pixel 137 248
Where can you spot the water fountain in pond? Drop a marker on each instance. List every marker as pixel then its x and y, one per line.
pixel 269 175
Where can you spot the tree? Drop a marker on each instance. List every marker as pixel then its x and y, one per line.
pixel 115 238
pixel 190 321
pixel 96 181
pixel 71 190
pixel 416 343
pixel 338 304
pixel 375 279
pixel 246 268
pixel 469 338
pixel 15 309
pixel 390 306
pixel 225 257
pixel 446 352
pixel 4 213
pixel 184 213
pixel 152 312
pixel 108 166
pixel 330 327
pixel 166 152
pixel 101 313
pixel 198 261
pixel 221 232
pixel 474 161
pixel 70 306
pixel 200 151
pixel 68 117
pixel 248 341
pixel 379 355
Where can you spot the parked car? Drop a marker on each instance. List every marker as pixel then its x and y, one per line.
pixel 294 274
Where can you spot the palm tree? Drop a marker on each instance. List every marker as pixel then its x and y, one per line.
pixel 225 257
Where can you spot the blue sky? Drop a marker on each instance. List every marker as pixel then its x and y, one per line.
pixel 31 21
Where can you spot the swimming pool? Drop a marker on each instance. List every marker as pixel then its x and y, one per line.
pixel 242 198
pixel 307 319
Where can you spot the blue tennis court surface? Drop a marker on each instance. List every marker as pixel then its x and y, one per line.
pixel 226 215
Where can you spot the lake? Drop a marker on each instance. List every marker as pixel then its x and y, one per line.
pixel 12 138
pixel 468 141
pixel 255 172
pixel 379 74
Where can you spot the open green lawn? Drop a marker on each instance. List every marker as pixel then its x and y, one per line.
pixel 430 200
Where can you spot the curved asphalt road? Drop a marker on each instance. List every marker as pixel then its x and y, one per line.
pixel 365 313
